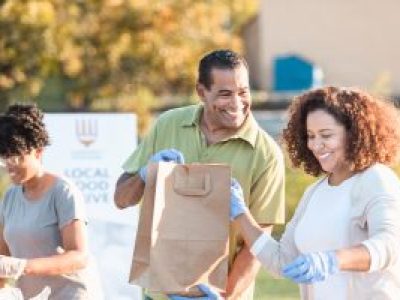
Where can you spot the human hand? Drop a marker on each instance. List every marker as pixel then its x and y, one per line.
pixel 163 155
pixel 312 267
pixel 238 206
pixel 11 267
pixel 209 294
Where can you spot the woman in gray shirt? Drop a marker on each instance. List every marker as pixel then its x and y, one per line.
pixel 42 217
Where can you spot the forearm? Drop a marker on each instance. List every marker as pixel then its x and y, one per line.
pixel 246 266
pixel 65 263
pixel 243 272
pixel 248 228
pixel 354 259
pixel 129 190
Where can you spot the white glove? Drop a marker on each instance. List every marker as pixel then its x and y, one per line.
pixel 11 267
pixel 43 295
pixel 11 294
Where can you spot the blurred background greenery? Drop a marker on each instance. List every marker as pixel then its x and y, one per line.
pixel 269 288
pixel 111 55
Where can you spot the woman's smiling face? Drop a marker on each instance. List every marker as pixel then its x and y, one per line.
pixel 327 140
pixel 23 167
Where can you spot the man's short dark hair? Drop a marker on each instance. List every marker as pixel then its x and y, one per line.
pixel 220 59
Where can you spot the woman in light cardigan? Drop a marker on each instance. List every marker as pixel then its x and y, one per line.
pixel 343 241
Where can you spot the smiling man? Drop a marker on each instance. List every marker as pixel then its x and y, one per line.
pixel 221 129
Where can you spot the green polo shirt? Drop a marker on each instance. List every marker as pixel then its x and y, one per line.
pixel 255 158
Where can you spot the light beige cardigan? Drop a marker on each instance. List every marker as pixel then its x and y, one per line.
pixel 375 223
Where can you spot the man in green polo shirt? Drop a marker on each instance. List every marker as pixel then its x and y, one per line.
pixel 221 129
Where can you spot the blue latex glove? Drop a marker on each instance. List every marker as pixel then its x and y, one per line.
pixel 209 294
pixel 238 206
pixel 163 155
pixel 312 267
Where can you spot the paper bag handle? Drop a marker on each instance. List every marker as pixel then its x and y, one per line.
pixel 190 191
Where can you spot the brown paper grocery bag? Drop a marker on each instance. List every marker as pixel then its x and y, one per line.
pixel 183 231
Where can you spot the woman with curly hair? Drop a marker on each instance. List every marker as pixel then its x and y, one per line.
pixel 343 241
pixel 42 218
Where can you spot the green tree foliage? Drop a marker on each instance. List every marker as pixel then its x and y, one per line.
pixel 87 53
pixel 21 49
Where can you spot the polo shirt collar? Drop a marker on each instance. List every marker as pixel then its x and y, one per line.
pixel 194 118
pixel 248 131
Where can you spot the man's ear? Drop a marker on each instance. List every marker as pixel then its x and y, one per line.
pixel 200 90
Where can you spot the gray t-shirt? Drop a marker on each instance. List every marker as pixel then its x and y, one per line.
pixel 33 229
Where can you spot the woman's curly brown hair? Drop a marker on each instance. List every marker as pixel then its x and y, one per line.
pixel 21 130
pixel 372 126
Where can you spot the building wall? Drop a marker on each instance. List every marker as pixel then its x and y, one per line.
pixel 251 34
pixel 355 42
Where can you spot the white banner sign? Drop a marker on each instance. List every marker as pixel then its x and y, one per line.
pixel 89 149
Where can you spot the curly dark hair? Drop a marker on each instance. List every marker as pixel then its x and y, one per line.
pixel 22 130
pixel 372 126
pixel 220 59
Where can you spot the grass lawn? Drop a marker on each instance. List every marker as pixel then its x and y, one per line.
pixel 268 288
